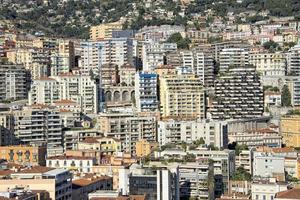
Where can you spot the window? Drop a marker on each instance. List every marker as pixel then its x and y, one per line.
pixel 264 197
pixel 256 197
pixel 272 198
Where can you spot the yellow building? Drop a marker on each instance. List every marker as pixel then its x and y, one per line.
pixel 290 129
pixel 181 96
pixel 105 144
pixel 24 154
pixel 104 30
pixel 144 148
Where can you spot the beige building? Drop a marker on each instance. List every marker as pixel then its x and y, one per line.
pixel 181 96
pixel 290 129
pixel 104 30
pixel 57 182
pixel 107 145
pixel 144 148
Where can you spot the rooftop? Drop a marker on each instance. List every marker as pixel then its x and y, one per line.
pixel 289 194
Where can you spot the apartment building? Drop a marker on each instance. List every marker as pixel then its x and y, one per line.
pixel 224 166
pixel 233 57
pixel 146 92
pixel 80 89
pixel 266 165
pixel 196 180
pixel 94 54
pixel 36 60
pixel 293 61
pixel 171 131
pixel 6 128
pixel 73 137
pixel 294 88
pixel 38 125
pixel 253 138
pixel 144 148
pixel 200 63
pixel 155 184
pixel 63 57
pixel 272 98
pixel 153 54
pixel 245 160
pixel 269 64
pixel 290 130
pixel 238 95
pixel 24 155
pixel 104 30
pixel 14 81
pixel 58 182
pixel 182 96
pixel 128 128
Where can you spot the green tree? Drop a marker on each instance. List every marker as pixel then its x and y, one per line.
pixel 285 96
pixel 182 43
pixel 241 175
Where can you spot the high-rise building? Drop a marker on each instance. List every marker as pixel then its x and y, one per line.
pixel 104 30
pixel 94 54
pixel 128 127
pixel 154 54
pixel 293 61
pixel 181 96
pixel 14 81
pixel 233 57
pixel 146 94
pixel 294 88
pixel 238 94
pixel 38 125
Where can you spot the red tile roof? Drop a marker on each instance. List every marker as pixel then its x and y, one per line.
pixel 289 194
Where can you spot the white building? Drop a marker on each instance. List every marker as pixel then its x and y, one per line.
pixel 94 54
pixel 245 160
pixel 266 190
pixel 272 99
pixel 267 165
pixel 293 61
pixel 173 131
pixel 153 54
pixel 72 163
pixel 80 89
pixel 294 88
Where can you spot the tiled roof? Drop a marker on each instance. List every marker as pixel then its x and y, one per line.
pixel 289 194
pixel 35 169
pixel 87 181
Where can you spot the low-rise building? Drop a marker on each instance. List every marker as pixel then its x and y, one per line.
pixel 72 163
pixel 262 190
pixel 24 155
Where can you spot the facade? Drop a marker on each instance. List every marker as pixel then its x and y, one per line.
pixel 153 54
pixel 171 131
pixel 80 89
pixel 94 54
pixel 24 155
pixel 71 163
pixel 146 92
pixel 144 148
pixel 294 88
pixel 269 64
pixel 57 182
pixel 104 30
pixel 233 57
pixel 105 144
pixel 13 82
pixel 267 189
pixel 73 137
pixel 224 166
pixel 182 96
pixel 266 165
pixel 238 95
pixel 37 125
pixel 245 160
pixel 290 128
pixel 196 180
pixel 155 184
pixel 272 99
pixel 128 128
pixel 293 61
